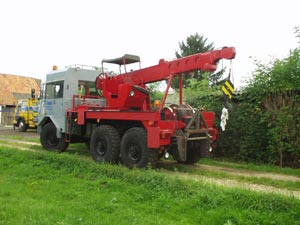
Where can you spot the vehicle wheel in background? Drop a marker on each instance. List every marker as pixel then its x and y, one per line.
pixel 22 125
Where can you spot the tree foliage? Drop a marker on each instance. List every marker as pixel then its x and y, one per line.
pixel 200 94
pixel 194 44
pixel 156 94
pixel 266 124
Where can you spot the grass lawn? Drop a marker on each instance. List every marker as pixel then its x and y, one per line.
pixel 49 188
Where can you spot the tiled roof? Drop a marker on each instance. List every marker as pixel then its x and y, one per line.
pixel 13 88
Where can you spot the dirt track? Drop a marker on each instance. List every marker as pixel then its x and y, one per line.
pixel 232 183
pixel 6 132
pixel 9 131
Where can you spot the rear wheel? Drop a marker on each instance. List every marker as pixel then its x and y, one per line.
pixel 134 150
pixel 105 144
pixel 193 155
pixel 196 151
pixel 50 141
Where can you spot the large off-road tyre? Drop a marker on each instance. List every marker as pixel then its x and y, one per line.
pixel 22 126
pixel 105 144
pixel 196 151
pixel 193 156
pixel 50 141
pixel 134 150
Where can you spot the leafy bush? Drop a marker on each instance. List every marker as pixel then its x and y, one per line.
pixel 267 116
pixel 264 125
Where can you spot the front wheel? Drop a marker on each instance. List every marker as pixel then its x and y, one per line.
pixel 134 150
pixel 22 125
pixel 50 141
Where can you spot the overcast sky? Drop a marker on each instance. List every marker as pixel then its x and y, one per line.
pixel 37 34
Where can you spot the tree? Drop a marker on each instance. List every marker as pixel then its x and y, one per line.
pixel 193 44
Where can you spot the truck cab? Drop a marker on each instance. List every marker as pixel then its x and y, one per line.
pixel 26 114
pixel 62 89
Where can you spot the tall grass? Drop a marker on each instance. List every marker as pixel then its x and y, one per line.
pixel 50 188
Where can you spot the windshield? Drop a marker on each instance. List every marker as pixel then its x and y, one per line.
pixel 54 90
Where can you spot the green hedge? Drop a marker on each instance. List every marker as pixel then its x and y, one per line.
pixel 264 123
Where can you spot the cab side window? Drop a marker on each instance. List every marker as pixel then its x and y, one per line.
pixel 87 88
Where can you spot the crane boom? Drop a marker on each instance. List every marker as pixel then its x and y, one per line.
pixel 201 61
pixel 118 90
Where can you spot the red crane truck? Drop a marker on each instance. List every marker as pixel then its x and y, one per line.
pixel 114 114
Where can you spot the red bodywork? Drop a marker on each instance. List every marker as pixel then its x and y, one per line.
pixel 128 100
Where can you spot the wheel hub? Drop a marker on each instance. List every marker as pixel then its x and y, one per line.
pixel 101 147
pixel 52 140
pixel 134 152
